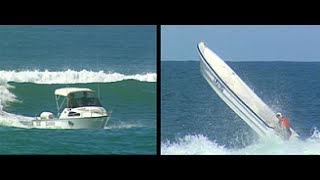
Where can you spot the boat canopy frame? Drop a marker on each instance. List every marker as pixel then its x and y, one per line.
pixel 65 92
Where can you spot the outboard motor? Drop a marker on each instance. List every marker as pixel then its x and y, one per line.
pixel 46 115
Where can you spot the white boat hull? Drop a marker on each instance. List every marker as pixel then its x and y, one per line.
pixel 236 94
pixel 235 105
pixel 76 123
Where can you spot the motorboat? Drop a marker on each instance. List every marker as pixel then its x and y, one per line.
pixel 237 94
pixel 78 108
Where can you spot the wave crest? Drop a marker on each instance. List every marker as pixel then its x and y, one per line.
pixel 71 77
pixel 62 77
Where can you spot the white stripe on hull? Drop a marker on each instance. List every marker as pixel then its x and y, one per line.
pixel 80 123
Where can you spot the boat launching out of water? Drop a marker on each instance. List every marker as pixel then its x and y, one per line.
pixel 237 95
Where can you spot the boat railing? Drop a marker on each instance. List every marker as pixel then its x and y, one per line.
pixel 59 106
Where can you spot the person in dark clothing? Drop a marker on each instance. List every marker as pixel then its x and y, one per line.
pixel 84 100
pixel 72 103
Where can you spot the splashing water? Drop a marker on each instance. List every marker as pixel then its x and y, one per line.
pixel 193 145
pixel 202 145
pixel 315 134
pixel 123 125
pixel 6 95
pixel 13 120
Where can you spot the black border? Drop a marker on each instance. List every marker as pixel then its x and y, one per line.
pixel 153 13
pixel 142 164
pixel 158 30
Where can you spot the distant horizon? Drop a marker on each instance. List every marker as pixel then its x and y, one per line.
pixel 289 43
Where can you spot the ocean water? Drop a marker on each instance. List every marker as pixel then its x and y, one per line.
pixel 118 62
pixel 194 120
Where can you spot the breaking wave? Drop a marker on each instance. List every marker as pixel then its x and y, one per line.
pixel 62 77
pixel 71 77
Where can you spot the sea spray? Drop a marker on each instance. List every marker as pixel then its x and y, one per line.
pixel 201 145
pixel 6 95
pixel 193 145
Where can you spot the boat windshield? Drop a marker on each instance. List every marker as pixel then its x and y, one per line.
pixel 81 99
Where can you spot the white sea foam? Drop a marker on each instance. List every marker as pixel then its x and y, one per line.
pixel 124 125
pixel 202 145
pixel 6 95
pixel 71 77
pixel 13 120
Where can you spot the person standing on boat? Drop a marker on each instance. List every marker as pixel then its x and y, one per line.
pixel 284 124
pixel 72 103
pixel 84 100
